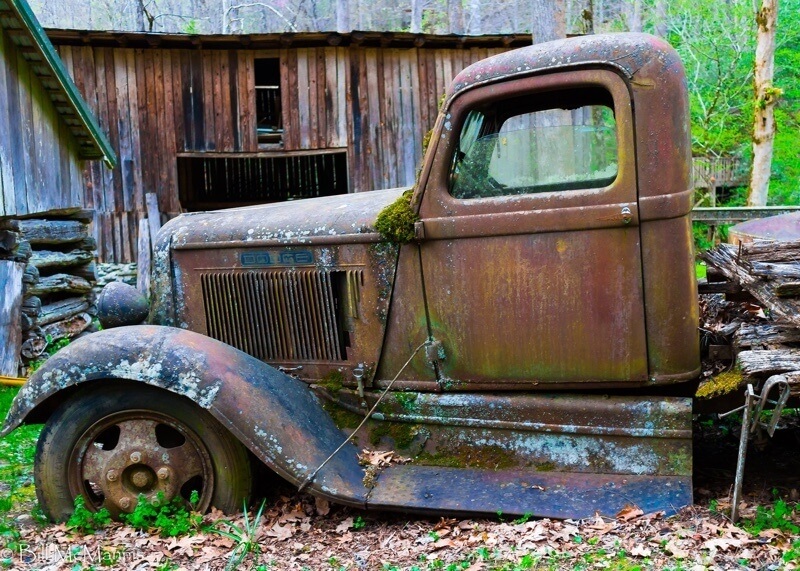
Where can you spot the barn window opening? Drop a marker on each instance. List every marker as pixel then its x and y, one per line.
pixel 269 121
pixel 212 182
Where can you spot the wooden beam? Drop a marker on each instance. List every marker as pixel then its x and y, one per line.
pixel 10 313
pixel 153 216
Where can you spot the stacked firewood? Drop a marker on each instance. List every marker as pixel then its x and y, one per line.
pixel 59 272
pixel 762 326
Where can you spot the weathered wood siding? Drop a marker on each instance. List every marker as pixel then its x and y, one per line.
pixel 154 103
pixel 39 169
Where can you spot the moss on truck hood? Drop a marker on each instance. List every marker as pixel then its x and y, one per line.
pixel 293 222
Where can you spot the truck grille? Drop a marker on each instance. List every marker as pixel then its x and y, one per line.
pixel 281 315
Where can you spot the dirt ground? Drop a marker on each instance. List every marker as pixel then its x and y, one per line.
pixel 297 532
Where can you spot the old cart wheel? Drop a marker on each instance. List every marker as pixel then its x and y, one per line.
pixel 112 444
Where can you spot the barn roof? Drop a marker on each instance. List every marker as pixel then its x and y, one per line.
pixel 24 30
pixel 356 38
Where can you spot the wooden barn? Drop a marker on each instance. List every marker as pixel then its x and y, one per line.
pixel 47 132
pixel 46 128
pixel 220 121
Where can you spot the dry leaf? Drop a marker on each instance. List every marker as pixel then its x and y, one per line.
pixel 322 506
pixel 629 512
pixel 672 548
pixel 345 525
pixel 640 550
pixel 280 532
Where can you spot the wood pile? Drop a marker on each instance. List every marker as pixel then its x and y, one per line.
pixel 761 321
pixel 50 268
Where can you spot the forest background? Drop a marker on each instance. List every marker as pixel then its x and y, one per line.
pixel 715 38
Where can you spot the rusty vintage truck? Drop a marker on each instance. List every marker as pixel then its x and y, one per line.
pixel 529 342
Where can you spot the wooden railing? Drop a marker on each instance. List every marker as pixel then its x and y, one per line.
pixel 738 214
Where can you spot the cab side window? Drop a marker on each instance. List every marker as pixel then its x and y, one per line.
pixel 545 142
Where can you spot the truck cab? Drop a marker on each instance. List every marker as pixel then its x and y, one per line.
pixel 532 334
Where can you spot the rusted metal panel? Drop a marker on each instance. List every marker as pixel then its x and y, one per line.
pixel 783 228
pixel 435 489
pixel 539 289
pixel 274 415
pixel 588 434
pixel 315 310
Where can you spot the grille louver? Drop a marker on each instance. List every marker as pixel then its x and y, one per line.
pixel 279 315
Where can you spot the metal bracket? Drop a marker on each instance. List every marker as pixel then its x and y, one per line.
pixel 434 351
pixel 751 421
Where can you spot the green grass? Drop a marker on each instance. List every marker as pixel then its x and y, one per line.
pixel 16 471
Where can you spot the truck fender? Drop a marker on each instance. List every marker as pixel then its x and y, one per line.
pixel 276 416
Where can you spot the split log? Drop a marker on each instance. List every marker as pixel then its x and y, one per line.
pixel 68 327
pixel 32 305
pixel 772 251
pixel 85 216
pixel 47 259
pixel 10 305
pixel 707 287
pixel 33 347
pixel 22 252
pixel 769 270
pixel 750 335
pixel 10 224
pixel 31 275
pixel 88 243
pixel 26 322
pixel 788 289
pixel 87 272
pixel 764 363
pixel 725 258
pixel 8 241
pixel 63 309
pixel 60 283
pixel 38 231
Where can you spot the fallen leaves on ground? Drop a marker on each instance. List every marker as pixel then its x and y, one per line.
pixel 301 532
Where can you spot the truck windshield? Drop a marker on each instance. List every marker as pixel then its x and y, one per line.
pixel 538 151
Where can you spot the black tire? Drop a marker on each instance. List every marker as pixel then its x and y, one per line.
pixel 112 442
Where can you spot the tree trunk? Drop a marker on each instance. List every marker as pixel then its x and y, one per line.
pixel 766 96
pixel 139 16
pixel 455 16
pixel 416 16
pixel 635 16
pixel 548 20
pixel 661 18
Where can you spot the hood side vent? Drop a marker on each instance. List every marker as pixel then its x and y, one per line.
pixel 282 315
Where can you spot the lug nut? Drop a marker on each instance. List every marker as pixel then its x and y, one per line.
pixel 112 475
pixel 125 503
pixel 136 457
pixel 163 473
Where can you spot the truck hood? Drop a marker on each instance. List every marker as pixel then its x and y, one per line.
pixel 340 218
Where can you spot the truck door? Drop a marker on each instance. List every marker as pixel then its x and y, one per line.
pixel 530 250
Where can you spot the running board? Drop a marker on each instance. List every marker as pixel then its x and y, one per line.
pixel 548 455
pixel 557 495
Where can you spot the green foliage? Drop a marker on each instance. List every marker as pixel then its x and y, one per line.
pixel 169 519
pixel 85 521
pixel 17 451
pixel 396 222
pixel 793 553
pixel 359 523
pixel 244 537
pixel 779 517
pixel 191 27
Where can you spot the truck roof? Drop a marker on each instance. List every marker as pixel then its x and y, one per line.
pixel 631 54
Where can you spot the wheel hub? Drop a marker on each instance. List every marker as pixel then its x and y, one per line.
pixel 140 453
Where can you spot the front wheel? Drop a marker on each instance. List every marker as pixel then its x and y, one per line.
pixel 113 444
